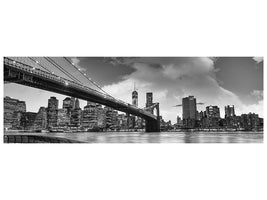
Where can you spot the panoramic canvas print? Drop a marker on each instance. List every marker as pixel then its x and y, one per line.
pixel 133 100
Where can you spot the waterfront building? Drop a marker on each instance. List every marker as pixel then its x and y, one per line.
pixel 90 116
pixel 76 115
pixel 52 112
pixel 122 121
pixel 40 122
pixel 165 126
pixel 13 109
pixel 63 118
pixel 189 111
pixel 101 116
pixel 250 121
pixel 111 120
pixel 179 122
pixel 27 120
pixel 108 119
pixel 77 104
pixel 135 98
pixel 229 111
pixel 213 116
pixel 136 120
pixel 139 123
pixel 68 104
pixel 114 119
pixel 72 103
pixel 230 117
pixel 149 101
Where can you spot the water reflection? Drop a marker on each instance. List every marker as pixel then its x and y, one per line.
pixel 163 137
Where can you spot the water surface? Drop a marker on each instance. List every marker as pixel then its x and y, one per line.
pixel 162 137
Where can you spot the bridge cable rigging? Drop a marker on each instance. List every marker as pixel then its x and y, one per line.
pixel 89 79
pixel 54 66
pixel 62 70
pixel 40 65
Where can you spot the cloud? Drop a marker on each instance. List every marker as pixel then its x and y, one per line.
pixel 254 108
pixel 258 59
pixel 171 79
pixel 258 94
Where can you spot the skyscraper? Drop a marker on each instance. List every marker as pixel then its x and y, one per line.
pixel 89 120
pixel 213 116
pixel 213 111
pixel 27 120
pixel 67 104
pixel 76 114
pixel 13 109
pixel 189 107
pixel 40 122
pixel 149 101
pixel 189 111
pixel 72 103
pixel 135 98
pixel 77 104
pixel 229 111
pixel 63 118
pixel 230 117
pixel 52 112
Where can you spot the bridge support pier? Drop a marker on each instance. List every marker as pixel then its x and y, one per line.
pixel 153 125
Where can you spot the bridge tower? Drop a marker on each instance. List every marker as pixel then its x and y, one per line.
pixel 153 125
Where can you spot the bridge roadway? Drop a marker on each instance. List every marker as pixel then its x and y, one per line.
pixel 24 74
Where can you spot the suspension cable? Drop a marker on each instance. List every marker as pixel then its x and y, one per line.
pixel 94 83
pixel 62 70
pixel 39 64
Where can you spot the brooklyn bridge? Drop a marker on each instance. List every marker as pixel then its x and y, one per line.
pixel 61 75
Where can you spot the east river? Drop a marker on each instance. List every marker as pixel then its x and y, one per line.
pixel 163 137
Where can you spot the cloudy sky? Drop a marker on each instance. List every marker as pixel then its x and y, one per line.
pixel 213 81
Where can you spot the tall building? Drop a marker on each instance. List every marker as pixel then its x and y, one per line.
pixel 114 119
pixel 189 111
pixel 111 121
pixel 77 104
pixel 213 116
pixel 229 111
pixel 13 109
pixel 63 118
pixel 189 107
pixel 213 111
pixel 72 103
pixel 67 104
pixel 135 103
pixel 52 112
pixel 230 117
pixel 122 121
pixel 250 121
pixel 40 122
pixel 76 115
pixel 90 118
pixel 101 116
pixel 27 120
pixel 149 101
pixel 135 98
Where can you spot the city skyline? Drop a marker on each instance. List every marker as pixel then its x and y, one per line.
pixel 221 82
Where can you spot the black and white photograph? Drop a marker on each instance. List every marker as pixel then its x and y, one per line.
pixel 133 99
